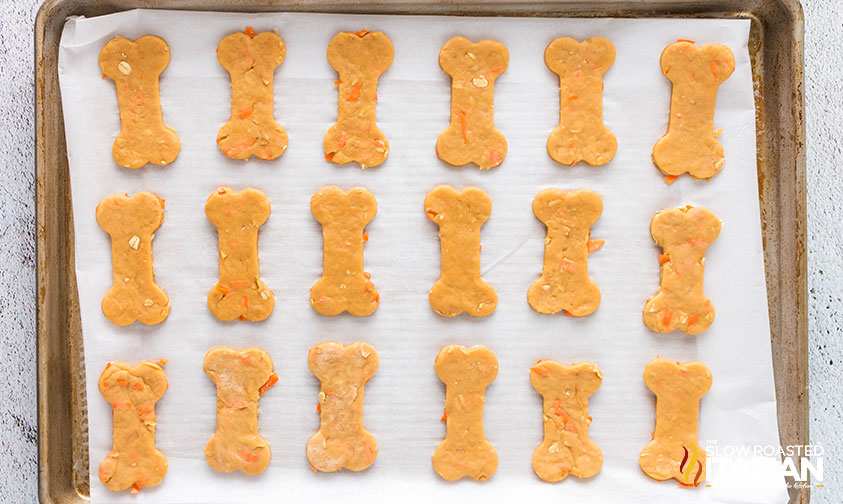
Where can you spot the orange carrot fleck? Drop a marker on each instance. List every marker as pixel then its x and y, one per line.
pixel 242 318
pixel 715 68
pixel 122 382
pixel 104 76
pixel 143 410
pixel 135 489
pixel 245 112
pixel 498 69
pixel 138 386
pixel 354 94
pixel 693 318
pixel 671 179
pixel 238 283
pixel 430 214
pixel 557 407
pixel 568 265
pixel 318 407
pixel 663 258
pixel 245 301
pixel 567 314
pixel 570 426
pixel 496 158
pixel 444 415
pixel 594 245
pixel 342 138
pixel 367 275
pixel 273 379
pixel 362 33
pixel 248 456
pixel 161 201
pixel 686 40
pixel 331 394
pixel 223 290
pixel 695 242
pixel 329 156
pixel 463 125
pixel 668 315
pixel 239 148
pixel 313 468
pixel 573 97
pixel 365 237
pixel 250 32
pixel 336 82
pixel 541 371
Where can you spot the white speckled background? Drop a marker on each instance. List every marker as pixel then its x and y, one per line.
pixel 18 418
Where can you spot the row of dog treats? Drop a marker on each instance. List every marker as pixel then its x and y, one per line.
pixel 359 58
pixel 243 376
pixel 564 284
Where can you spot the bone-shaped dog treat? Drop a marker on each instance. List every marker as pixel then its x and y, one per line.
pixel 241 377
pixel 132 222
pixel 133 462
pixel 690 144
pixel 466 373
pixel 344 285
pixel 135 66
pixel 581 135
pixel 359 59
pixel 341 441
pixel 460 287
pixel 566 448
pixel 564 283
pixel 683 234
pixel 251 60
pixel 240 292
pixel 674 451
pixel 472 137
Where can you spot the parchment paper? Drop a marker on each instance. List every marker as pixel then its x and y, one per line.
pixel 404 400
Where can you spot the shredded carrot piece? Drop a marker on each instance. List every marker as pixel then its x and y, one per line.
pixel 362 33
pixel 365 237
pixel 273 379
pixel 250 32
pixel 663 258
pixel 143 410
pixel 463 125
pixel 541 371
pixel 138 386
pixel 573 97
pixel 686 40
pixel 444 415
pixel 238 283
pixel 329 156
pixel 239 148
pixel 245 301
pixel 122 382
pixel 696 242
pixel 668 315
pixel 693 318
pixel 342 138
pixel 496 158
pixel 135 489
pixel 498 69
pixel 567 314
pixel 162 361
pixel 313 468
pixel 242 318
pixel 430 214
pixel 223 290
pixel 247 456
pixel 367 275
pixel 104 76
pixel 570 426
pixel 331 394
pixel 161 201
pixel 354 94
pixel 671 179
pixel 557 407
pixel 245 112
pixel 715 68
pixel 318 407
pixel 594 245
pixel 568 265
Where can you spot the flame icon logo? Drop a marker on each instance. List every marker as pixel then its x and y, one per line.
pixel 686 467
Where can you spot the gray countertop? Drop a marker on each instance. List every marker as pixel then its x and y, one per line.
pixel 18 413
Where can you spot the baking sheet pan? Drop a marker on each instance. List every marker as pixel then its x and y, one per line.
pixel 63 284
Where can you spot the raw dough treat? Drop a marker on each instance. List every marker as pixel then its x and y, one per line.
pixel 466 373
pixel 566 448
pixel 240 292
pixel 460 287
pixel 683 234
pixel 251 60
pixel 359 59
pixel 135 66
pixel 472 137
pixel 341 440
pixel 132 222
pixel 690 144
pixel 344 285
pixel 133 461
pixel 241 377
pixel 564 283
pixel 581 135
pixel 674 451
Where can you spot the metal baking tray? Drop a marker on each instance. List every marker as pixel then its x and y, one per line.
pixel 776 44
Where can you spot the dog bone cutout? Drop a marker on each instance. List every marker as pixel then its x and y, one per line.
pixel 251 61
pixel 674 451
pixel 359 59
pixel 135 66
pixel 240 292
pixel 564 283
pixel 460 215
pixel 465 451
pixel 341 441
pixel 566 448
pixel 131 222
pixel 581 134
pixel 133 461
pixel 471 136
pixel 344 285
pixel 690 144
pixel 683 234
pixel 241 377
